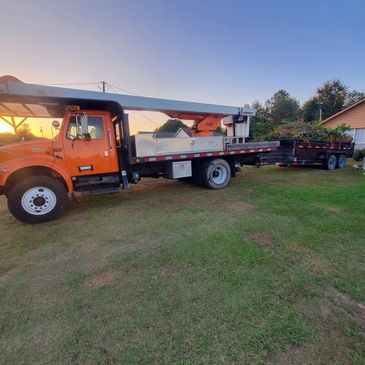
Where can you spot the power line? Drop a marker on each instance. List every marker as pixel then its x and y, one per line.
pixel 102 85
pixel 114 88
pixel 124 90
pixel 66 83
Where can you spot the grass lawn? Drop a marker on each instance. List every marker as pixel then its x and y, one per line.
pixel 270 270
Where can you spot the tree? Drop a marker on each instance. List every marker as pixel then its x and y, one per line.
pixel 222 130
pixel 329 99
pixel 332 96
pixel 260 125
pixel 353 97
pixel 311 109
pixel 283 108
pixel 24 132
pixel 172 125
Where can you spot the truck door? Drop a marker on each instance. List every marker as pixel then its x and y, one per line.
pixel 94 155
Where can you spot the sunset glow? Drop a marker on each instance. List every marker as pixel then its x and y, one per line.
pixel 5 128
pixel 39 127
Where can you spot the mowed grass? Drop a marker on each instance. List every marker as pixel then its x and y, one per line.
pixel 267 271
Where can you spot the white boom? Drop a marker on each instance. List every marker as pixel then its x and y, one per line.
pixel 128 102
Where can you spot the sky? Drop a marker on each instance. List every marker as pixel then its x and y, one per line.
pixel 226 52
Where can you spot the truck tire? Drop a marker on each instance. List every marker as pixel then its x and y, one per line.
pixel 216 173
pixel 341 161
pixel 37 199
pixel 330 162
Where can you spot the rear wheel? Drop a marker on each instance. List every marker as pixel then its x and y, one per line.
pixel 330 163
pixel 216 173
pixel 37 199
pixel 341 161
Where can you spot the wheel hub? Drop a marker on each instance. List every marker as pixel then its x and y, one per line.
pixel 219 175
pixel 38 200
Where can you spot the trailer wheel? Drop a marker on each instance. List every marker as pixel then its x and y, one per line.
pixel 341 161
pixel 330 163
pixel 37 199
pixel 216 173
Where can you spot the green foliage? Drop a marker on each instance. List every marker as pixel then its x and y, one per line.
pixel 260 124
pixel 353 97
pixel 220 129
pixel 311 110
pixel 282 108
pixel 307 132
pixel 280 116
pixel 172 125
pixel 341 131
pixel 331 98
pixel 359 155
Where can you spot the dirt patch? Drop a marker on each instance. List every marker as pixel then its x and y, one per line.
pixel 99 280
pixel 332 208
pixel 235 207
pixel 295 355
pixel 262 239
pixel 6 276
pixel 311 260
pixel 350 307
pixel 318 266
pixel 298 248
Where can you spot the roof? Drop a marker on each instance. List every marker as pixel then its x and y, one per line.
pixel 343 111
pixel 168 134
pixel 187 130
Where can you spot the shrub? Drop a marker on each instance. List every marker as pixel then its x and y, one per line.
pixel 307 132
pixel 359 154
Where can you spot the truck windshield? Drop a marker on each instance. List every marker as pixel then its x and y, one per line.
pixel 15 129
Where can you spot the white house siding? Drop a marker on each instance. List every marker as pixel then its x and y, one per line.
pixel 358 134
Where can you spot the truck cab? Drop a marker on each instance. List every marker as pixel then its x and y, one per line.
pixel 37 175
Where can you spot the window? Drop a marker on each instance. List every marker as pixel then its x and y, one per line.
pixel 95 128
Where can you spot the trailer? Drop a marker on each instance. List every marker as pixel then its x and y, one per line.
pixel 94 152
pixel 329 155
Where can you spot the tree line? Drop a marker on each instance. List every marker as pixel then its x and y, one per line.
pixel 282 110
pixel 23 133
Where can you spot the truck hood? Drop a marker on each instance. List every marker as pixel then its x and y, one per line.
pixel 25 150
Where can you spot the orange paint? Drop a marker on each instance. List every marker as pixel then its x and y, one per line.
pixel 64 156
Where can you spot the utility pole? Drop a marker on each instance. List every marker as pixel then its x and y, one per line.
pixel 104 85
pixel 320 112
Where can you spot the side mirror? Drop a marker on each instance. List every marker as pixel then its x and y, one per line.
pixel 84 122
pixel 56 124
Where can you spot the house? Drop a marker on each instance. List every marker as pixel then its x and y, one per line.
pixel 354 117
pixel 183 133
pixel 180 133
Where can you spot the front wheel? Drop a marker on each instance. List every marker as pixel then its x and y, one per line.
pixel 216 174
pixel 37 199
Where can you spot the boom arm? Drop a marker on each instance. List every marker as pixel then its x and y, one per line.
pixel 206 126
pixel 35 99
